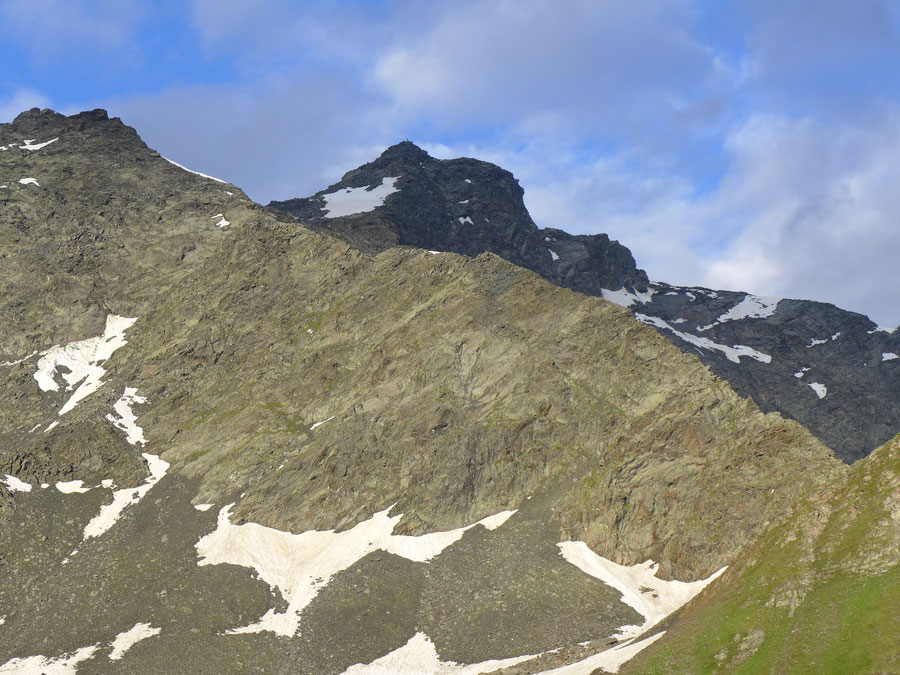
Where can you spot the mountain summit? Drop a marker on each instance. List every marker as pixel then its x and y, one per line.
pixel 464 206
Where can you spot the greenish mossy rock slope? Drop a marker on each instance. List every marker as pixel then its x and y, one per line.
pixel 820 593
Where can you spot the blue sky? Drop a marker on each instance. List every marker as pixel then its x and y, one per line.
pixel 752 145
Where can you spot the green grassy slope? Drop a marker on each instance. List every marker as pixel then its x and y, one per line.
pixel 818 594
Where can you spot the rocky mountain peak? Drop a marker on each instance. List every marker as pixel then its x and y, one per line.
pixel 406 151
pixel 465 206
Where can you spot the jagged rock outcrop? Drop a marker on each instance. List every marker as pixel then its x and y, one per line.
pixel 832 370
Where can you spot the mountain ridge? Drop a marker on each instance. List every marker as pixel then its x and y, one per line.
pixel 828 368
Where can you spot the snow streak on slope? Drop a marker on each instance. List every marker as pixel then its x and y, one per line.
pixel 419 657
pixel 608 661
pixel 13 484
pixel 127 420
pixel 653 598
pixel 127 639
pixel 820 389
pixel 67 664
pixel 196 173
pixel 31 145
pixel 299 565
pixel 347 201
pixel 110 513
pixel 82 360
pixel 732 353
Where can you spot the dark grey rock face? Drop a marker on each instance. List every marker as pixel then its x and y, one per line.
pixel 469 207
pixel 830 369
pixel 845 389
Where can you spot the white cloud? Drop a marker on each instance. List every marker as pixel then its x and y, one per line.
pixel 601 67
pixel 21 100
pixel 273 140
pixel 819 209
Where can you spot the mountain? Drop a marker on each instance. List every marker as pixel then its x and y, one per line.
pixel 230 443
pixel 834 371
pixel 462 206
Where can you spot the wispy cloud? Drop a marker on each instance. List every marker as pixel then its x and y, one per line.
pixel 18 101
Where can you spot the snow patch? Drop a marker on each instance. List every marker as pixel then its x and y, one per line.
pixel 751 307
pixel 34 428
pixel 553 254
pixel 222 222
pixel 652 598
pixel 801 372
pixel 820 389
pixel 68 487
pixel 347 201
pixel 196 173
pixel 419 657
pixel 608 661
pixel 465 220
pixel 318 424
pixel 299 565
pixel 203 507
pixel 15 363
pixel 464 201
pixel 31 145
pixel 13 484
pixel 889 356
pixel 29 181
pixel 127 420
pixel 44 665
pixel 815 342
pixel 468 181
pixel 110 513
pixel 882 329
pixel 127 639
pixel 627 298
pixel 733 353
pixel 81 359
pixel 51 426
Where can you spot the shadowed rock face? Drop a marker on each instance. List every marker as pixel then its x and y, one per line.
pixel 469 207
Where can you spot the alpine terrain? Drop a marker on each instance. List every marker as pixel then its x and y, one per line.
pixel 836 372
pixel 397 428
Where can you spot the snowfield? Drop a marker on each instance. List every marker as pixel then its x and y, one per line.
pixel 347 201
pixel 298 566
